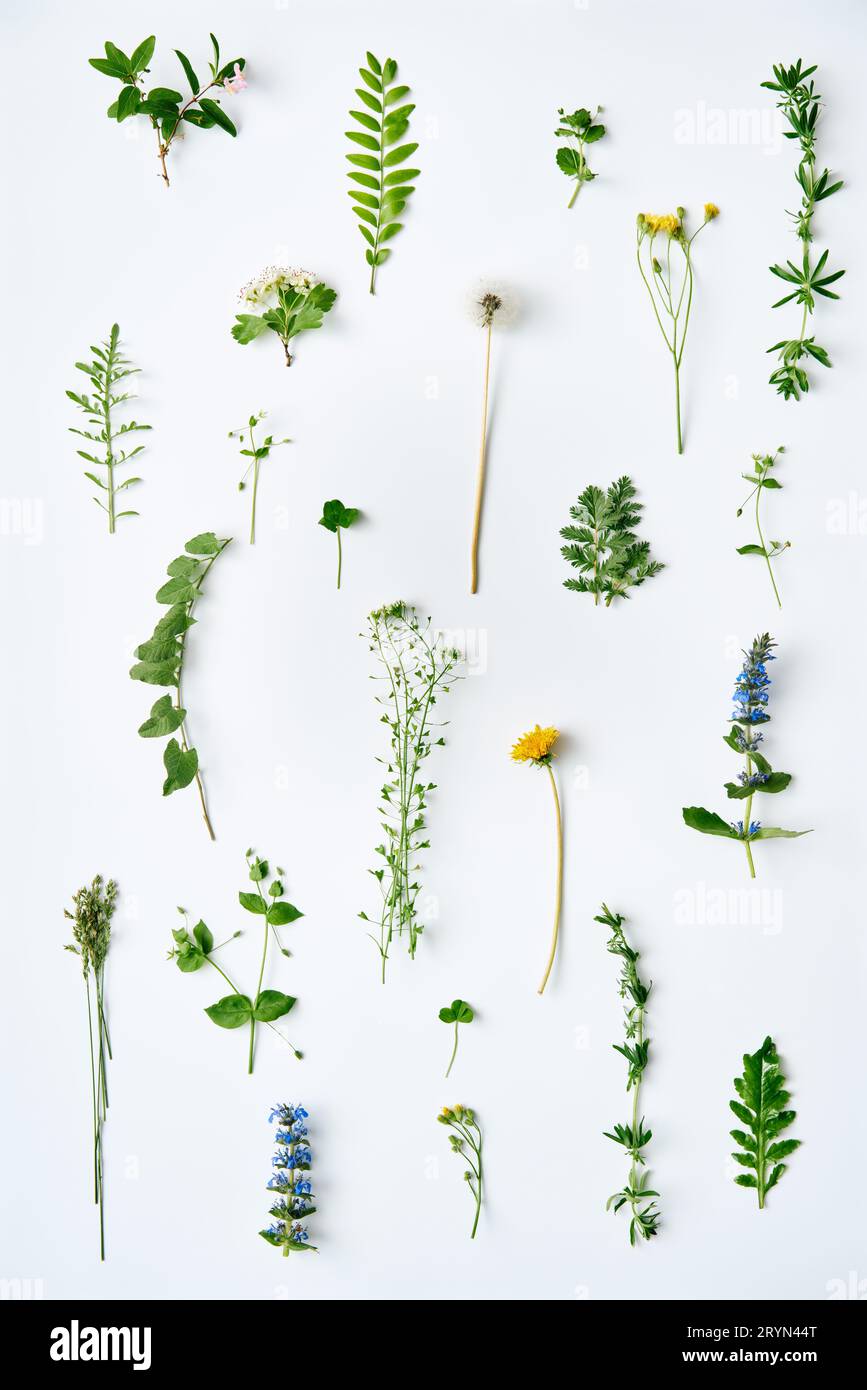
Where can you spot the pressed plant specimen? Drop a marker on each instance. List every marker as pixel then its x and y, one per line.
pixel 289 1186
pixel 160 661
pixel 256 453
pixel 336 518
pixel 381 177
pixel 107 368
pixel 763 477
pixel 744 738
pixel 490 305
pixel 670 287
pixel 291 301
pixel 91 931
pixel 193 950
pixel 761 1106
pixel 536 748
pixel 634 1137
pixel 580 129
pixel 466 1141
pixel 457 1012
pixel 801 106
pixel 167 109
pixel 417 669
pixel 603 546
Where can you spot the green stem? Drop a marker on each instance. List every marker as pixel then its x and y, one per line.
pixel 93 1091
pixel 559 889
pixel 259 985
pixel 748 821
pixel 454 1050
pixel 375 248
pixel 677 404
pixel 253 512
pixel 339 557
pixel 765 548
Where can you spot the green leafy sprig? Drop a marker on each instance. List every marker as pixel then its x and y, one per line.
pixel 603 547
pixel 801 105
pixel 762 1108
pixel 458 1012
pixel 579 129
pixel 256 453
pixel 384 181
pixel 336 518
pixel 633 1137
pixel 91 931
pixel 417 668
pixel 165 108
pixel 761 478
pixel 670 291
pixel 466 1141
pixel 744 737
pixel 160 661
pixel 293 302
pixel 107 368
pixel 193 950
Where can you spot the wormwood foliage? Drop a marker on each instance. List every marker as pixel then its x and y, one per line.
pixel 380 173
pixel 762 1108
pixel 750 699
pixel 633 1137
pixel 192 951
pixel 107 368
pixel 801 105
pixel 417 668
pixel 603 547
pixel 167 109
pixel 160 661
pixel 579 129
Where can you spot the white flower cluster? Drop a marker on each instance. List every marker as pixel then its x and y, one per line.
pixel 271 279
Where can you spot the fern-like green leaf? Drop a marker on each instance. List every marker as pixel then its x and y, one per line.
pixel 383 126
pixel 603 547
pixel 762 1108
pixel 160 660
pixel 107 368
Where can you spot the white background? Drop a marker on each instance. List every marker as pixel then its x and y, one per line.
pixel 383 405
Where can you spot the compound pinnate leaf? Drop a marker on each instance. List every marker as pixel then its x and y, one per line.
pixel 382 126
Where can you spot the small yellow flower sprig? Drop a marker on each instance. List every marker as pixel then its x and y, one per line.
pixel 537 747
pixel 668 295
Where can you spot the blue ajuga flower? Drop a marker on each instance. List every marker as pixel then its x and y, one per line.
pixel 757 778
pixel 291 1154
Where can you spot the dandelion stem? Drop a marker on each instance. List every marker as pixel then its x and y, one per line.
pixel 559 891
pixel 480 480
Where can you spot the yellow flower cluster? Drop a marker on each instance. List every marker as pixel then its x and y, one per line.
pixel 666 222
pixel 535 746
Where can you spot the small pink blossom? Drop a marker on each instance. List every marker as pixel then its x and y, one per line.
pixel 235 84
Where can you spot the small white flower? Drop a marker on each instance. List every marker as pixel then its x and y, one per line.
pixel 269 281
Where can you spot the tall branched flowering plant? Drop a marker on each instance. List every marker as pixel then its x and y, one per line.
pixel 165 108
pixel 466 1141
pixel 417 668
pixel 801 106
pixel 670 287
pixel 537 748
pixel 744 738
pixel 91 931
pixel 762 477
pixel 289 1185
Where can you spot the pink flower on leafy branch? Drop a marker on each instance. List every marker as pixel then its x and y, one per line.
pixel 235 84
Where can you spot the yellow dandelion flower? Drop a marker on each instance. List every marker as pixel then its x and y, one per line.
pixel 710 212
pixel 535 746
